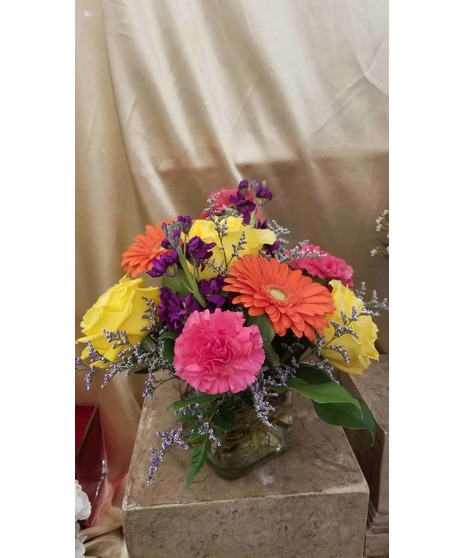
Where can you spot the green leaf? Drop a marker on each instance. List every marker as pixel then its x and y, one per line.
pixel 199 455
pixel 169 335
pixel 189 417
pixel 148 343
pixel 169 339
pixel 225 418
pixel 315 385
pixel 200 398
pixel 270 354
pixel 289 339
pixel 343 414
pixel 264 325
pixel 175 284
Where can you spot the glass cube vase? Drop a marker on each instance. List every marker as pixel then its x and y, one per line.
pixel 251 443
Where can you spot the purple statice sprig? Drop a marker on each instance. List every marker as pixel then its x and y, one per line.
pixel 220 269
pixel 206 431
pixel 276 250
pixel 94 355
pixel 92 369
pixel 199 430
pixel 299 252
pixel 279 231
pixel 221 227
pixel 211 205
pixel 146 357
pixel 213 212
pixel 239 247
pixel 151 315
pixel 260 395
pixel 339 330
pixel 264 387
pixel 382 224
pixel 195 425
pixel 374 302
pixel 289 351
pixel 282 373
pixel 197 420
pixel 170 438
pixel 339 349
pixel 325 366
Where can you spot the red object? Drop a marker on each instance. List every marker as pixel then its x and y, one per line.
pixel 90 468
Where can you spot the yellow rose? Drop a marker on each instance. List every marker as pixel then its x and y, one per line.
pixel 360 350
pixel 120 308
pixel 254 240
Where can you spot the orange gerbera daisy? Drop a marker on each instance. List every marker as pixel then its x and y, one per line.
pixel 138 257
pixel 290 299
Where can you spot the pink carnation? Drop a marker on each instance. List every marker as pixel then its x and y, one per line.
pixel 215 353
pixel 223 199
pixel 328 267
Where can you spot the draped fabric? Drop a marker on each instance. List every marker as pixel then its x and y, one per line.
pixel 176 98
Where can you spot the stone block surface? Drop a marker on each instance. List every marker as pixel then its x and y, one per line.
pixel 311 501
pixel 373 388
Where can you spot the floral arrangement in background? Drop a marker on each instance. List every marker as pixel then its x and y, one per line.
pixel 382 224
pixel 82 509
pixel 235 313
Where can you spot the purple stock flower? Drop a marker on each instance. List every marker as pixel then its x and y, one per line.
pixel 162 265
pixel 271 248
pixel 172 233
pixel 243 205
pixel 243 184
pixel 211 290
pixel 198 249
pixel 173 311
pixel 268 248
pixel 186 223
pixel 191 304
pixel 263 194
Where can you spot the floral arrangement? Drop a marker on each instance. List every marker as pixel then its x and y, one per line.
pixel 234 313
pixel 82 509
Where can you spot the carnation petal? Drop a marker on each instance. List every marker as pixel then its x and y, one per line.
pixel 216 353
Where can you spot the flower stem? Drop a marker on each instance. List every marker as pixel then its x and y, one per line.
pixel 193 287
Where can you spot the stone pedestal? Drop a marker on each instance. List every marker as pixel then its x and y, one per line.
pixel 311 501
pixel 373 388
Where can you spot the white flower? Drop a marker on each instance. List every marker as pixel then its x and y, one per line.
pixel 80 549
pixel 82 507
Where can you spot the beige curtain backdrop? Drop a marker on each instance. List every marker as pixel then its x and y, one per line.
pixel 175 98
